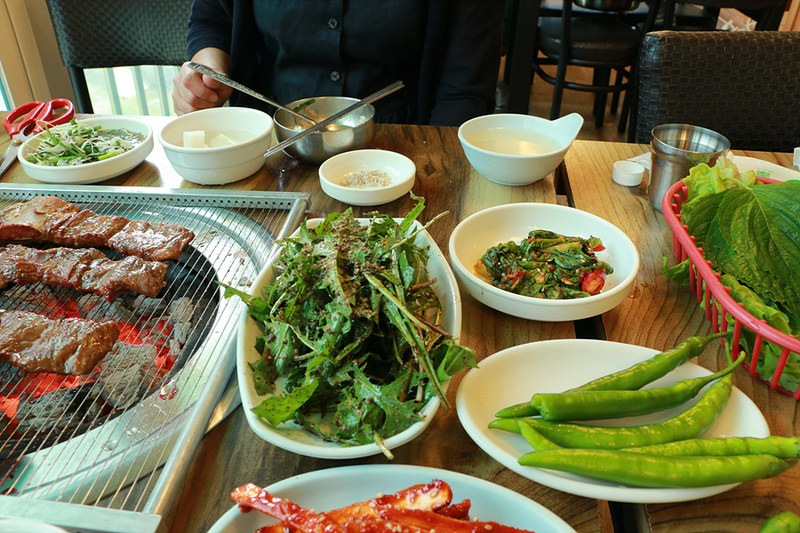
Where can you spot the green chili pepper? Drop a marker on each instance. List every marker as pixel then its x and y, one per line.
pixel 786 522
pixel 783 447
pixel 689 424
pixel 537 441
pixel 647 470
pixel 597 405
pixel 634 377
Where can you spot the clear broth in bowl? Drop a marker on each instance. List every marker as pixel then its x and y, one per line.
pixel 513 141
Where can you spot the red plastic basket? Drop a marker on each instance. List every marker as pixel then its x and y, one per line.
pixel 705 283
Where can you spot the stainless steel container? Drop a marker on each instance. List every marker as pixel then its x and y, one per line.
pixel 675 149
pixel 353 131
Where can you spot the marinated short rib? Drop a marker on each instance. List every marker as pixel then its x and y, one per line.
pixel 35 343
pixel 87 270
pixel 51 219
pixel 150 240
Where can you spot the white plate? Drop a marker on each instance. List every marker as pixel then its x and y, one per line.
pixel 99 170
pixel 293 437
pixel 513 222
pixel 333 488
pixel 515 374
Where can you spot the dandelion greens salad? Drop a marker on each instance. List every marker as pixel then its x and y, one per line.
pixel 350 326
pixel 76 143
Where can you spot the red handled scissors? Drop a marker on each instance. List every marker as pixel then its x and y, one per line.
pixel 30 119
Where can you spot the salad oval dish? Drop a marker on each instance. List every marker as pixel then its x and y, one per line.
pixel 95 171
pixel 293 436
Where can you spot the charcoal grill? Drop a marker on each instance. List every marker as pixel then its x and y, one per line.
pixel 82 477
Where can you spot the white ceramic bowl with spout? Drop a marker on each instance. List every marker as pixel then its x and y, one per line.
pixel 513 149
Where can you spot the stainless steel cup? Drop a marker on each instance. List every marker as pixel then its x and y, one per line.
pixel 675 149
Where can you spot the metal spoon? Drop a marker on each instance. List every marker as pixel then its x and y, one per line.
pixel 202 69
pixel 386 91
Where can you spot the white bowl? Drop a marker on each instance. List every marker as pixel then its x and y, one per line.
pixel 98 170
pixel 553 138
pixel 224 164
pixel 400 169
pixel 512 222
pixel 295 438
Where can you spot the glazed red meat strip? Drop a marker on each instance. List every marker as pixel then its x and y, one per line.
pixel 82 228
pixel 25 221
pixel 154 241
pixel 51 219
pixel 87 270
pixel 35 343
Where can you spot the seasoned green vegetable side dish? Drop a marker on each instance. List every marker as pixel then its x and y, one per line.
pixel 75 143
pixel 350 326
pixel 546 265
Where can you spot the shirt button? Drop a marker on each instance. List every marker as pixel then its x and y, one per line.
pixel 333 23
pixel 335 76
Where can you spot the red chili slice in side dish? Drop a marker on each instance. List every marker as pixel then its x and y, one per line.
pixel 593 282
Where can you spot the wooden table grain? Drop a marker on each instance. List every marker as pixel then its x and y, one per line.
pixel 660 314
pixel 231 454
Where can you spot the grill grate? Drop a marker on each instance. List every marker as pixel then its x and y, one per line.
pixel 94 457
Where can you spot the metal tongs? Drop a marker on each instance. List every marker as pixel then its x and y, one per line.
pixel 396 86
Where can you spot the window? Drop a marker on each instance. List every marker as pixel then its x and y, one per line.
pixel 143 90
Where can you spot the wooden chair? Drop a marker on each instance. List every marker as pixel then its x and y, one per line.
pixel 742 84
pixel 117 33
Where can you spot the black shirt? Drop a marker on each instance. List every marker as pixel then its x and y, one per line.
pixel 447 52
pixel 328 48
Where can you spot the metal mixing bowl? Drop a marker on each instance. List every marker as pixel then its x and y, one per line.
pixel 356 130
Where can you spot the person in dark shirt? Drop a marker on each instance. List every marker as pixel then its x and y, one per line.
pixel 446 52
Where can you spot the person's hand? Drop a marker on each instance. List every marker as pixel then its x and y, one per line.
pixel 193 91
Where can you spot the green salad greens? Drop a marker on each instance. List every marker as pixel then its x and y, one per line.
pixel 75 143
pixel 751 234
pixel 350 330
pixel 546 265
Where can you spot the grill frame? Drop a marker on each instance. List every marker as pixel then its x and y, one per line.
pixel 235 231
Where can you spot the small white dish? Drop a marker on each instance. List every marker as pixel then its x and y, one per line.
pixel 295 438
pixel 400 169
pixel 526 148
pixel 222 164
pixel 91 172
pixel 515 374
pixel 627 173
pixel 512 222
pixel 333 488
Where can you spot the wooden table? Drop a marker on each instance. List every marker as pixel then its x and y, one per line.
pixel 231 454
pixel 658 314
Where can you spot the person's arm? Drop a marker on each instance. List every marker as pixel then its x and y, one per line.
pixel 208 43
pixel 470 68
